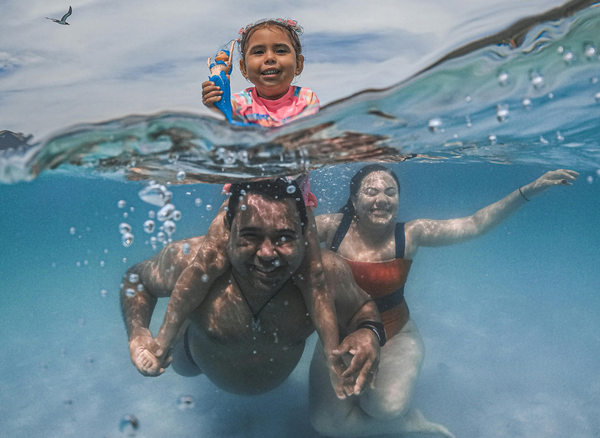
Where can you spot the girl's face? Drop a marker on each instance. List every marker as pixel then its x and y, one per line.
pixel 270 62
pixel 377 200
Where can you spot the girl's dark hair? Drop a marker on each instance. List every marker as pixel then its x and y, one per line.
pixel 292 30
pixel 272 189
pixel 357 180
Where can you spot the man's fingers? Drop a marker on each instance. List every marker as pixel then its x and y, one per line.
pixel 374 378
pixel 362 377
pixel 355 366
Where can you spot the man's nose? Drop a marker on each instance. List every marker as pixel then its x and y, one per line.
pixel 266 250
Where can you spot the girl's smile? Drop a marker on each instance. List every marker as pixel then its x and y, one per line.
pixel 270 62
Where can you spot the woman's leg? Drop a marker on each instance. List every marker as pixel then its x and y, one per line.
pixel 383 410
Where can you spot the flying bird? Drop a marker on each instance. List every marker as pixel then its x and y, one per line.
pixel 63 20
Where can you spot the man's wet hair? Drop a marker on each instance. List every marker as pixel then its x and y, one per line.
pixel 271 189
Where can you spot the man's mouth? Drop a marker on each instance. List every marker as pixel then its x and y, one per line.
pixel 266 271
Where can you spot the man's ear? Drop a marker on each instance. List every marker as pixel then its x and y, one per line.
pixel 243 68
pixel 299 64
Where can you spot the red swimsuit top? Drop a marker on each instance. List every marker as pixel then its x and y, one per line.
pixel 383 281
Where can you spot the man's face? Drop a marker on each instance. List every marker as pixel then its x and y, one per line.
pixel 266 245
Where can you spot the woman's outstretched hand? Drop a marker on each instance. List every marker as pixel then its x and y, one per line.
pixel 560 177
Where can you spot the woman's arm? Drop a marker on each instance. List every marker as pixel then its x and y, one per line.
pixel 428 232
pixel 327 224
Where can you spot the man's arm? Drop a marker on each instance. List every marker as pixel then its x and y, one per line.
pixel 427 232
pixel 353 307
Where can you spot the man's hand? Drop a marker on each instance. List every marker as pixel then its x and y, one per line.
pixel 364 346
pixel 211 93
pixel 343 386
pixel 147 355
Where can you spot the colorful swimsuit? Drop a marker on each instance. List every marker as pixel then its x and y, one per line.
pixel 383 281
pixel 296 103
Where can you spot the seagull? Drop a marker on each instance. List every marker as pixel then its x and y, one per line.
pixel 63 20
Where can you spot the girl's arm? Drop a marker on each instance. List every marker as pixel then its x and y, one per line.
pixel 427 232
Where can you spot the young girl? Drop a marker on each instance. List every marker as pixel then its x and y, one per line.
pixel 270 58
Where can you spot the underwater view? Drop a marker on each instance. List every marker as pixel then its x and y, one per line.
pixel 466 103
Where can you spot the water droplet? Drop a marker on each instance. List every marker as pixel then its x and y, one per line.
pixel 180 175
pixel 72 230
pixel 503 78
pixel 169 227
pixel 501 112
pixel 243 207
pixel 155 194
pixel 149 226
pixel 205 278
pixel 129 424
pixel 434 124
pixel 130 292
pixel 208 207
pixel 590 179
pixel 127 239
pixel 568 57
pixel 176 216
pixel 198 202
pixel 537 80
pixel 103 293
pixel 161 236
pixel 527 103
pixel 290 189
pixel 134 278
pixel 185 402
pixel 492 139
pixel 124 228
pixel 140 287
pixel 185 248
pixel 151 214
pixel 121 204
pixel 165 213
pixel 590 51
pixel 597 96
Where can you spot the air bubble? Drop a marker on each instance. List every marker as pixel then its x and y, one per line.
pixel 130 292
pixel 243 192
pixel 501 112
pixel 526 103
pixel 590 51
pixel 594 80
pixel 503 78
pixel 127 239
pixel 198 202
pixel 169 227
pixel 590 179
pixel 185 402
pixel 290 189
pixel 468 119
pixel 543 140
pixel 597 96
pixel 185 248
pixel 176 216
pixel 153 240
pixel 208 207
pixel 277 263
pixel 568 57
pixel 121 204
pixel 124 228
pixel 102 263
pixel 103 293
pixel 537 80
pixel 598 172
pixel 180 175
pixel 140 287
pixel 149 226
pixel 434 124
pixel 161 236
pixel 205 278
pixel 151 214
pixel 243 207
pixel 155 194
pixel 72 230
pixel 468 99
pixel 492 139
pixel 129 424
pixel 559 136
pixel 134 278
pixel 560 49
pixel 165 213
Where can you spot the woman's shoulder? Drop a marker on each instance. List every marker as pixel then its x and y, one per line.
pixel 327 224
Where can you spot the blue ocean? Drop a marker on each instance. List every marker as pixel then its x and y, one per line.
pixel 510 321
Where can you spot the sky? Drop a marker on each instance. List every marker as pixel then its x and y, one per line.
pixel 142 57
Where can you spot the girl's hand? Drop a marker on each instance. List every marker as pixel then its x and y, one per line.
pixel 560 177
pixel 210 94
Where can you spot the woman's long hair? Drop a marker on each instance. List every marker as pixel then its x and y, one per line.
pixel 356 182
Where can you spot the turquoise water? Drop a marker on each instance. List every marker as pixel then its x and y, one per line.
pixel 509 321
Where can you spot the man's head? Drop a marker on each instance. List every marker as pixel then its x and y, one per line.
pixel 266 244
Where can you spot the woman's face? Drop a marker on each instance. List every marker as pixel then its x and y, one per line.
pixel 377 200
